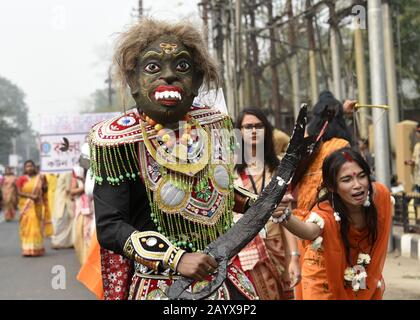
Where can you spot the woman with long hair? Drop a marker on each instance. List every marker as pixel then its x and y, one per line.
pixel 346 232
pixel 335 137
pixel 270 258
pixel 33 210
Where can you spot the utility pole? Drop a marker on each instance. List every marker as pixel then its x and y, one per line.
pixel 380 123
pixel 377 72
pixel 140 9
pixel 391 77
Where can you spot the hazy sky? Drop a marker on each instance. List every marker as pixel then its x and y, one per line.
pixel 58 51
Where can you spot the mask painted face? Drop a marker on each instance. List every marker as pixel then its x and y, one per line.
pixel 353 184
pixel 167 80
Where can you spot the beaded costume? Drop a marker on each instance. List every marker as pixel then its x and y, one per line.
pixel 155 203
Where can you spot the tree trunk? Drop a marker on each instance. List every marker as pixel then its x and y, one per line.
pixel 294 70
pixel 276 100
pixel 312 57
pixel 335 52
pixel 256 73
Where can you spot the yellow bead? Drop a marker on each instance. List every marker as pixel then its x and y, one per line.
pixel 166 137
pixel 158 127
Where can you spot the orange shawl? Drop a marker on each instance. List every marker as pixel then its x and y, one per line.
pixel 90 273
pixel 334 256
pixel 307 189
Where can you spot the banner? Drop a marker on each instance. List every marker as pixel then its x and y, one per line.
pixel 72 127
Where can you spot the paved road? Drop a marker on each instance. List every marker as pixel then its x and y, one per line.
pixel 402 278
pixel 32 278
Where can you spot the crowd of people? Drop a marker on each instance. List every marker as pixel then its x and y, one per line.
pixel 55 206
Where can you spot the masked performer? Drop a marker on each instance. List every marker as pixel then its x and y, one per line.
pixel 163 190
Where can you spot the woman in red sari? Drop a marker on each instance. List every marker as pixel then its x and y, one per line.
pixel 347 232
pixel 31 187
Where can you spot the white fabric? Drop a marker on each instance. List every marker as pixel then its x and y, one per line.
pixel 211 98
pixel 89 183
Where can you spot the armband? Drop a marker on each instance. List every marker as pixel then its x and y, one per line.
pixel 153 250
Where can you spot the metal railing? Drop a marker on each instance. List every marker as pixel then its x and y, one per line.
pixel 407 211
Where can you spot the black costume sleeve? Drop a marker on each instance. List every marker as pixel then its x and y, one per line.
pixel 124 225
pixel 112 211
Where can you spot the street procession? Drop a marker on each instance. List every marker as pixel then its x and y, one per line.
pixel 245 150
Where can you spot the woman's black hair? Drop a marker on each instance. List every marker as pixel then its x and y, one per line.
pixel 337 127
pixel 29 161
pixel 330 168
pixel 270 157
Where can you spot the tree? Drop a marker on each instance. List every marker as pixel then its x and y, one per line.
pixel 14 124
pixel 406 15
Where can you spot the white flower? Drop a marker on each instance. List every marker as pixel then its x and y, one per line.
pixel 112 277
pixel 337 216
pixel 359 280
pixel 315 218
pixel 360 276
pixel 356 286
pixel 316 244
pixel 349 274
pixel 363 259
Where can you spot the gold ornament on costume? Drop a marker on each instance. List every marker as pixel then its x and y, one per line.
pixel 168 48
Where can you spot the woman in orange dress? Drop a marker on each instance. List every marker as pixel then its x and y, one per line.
pixel 31 188
pixel 347 232
pixel 336 136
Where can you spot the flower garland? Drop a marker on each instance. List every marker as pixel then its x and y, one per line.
pixel 356 276
pixel 315 218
